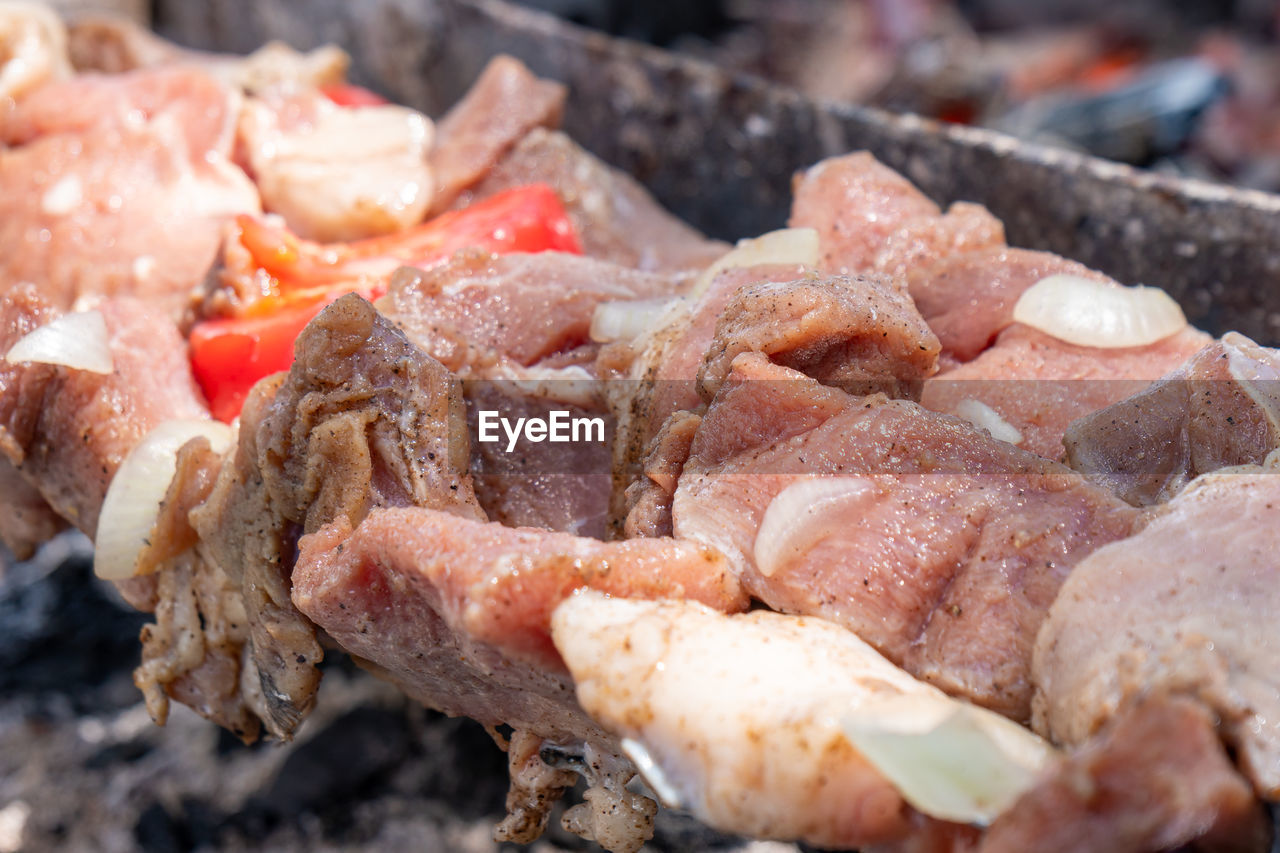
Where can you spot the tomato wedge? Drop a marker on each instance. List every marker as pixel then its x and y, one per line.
pixel 351 95
pixel 229 355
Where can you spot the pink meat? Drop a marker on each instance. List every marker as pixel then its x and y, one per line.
pixel 968 297
pixel 1039 384
pixel 504 104
pixel 948 560
pixel 93 221
pixel 67 431
pixel 479 308
pixel 1186 605
pixel 871 219
pixel 409 588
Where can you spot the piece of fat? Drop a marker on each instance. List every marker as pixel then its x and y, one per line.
pixel 786 727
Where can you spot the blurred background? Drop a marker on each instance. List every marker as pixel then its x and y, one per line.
pixel 1189 87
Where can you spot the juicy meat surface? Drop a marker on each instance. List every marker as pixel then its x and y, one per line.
pixel 67 431
pixel 26 519
pixel 871 219
pixel 553 485
pixel 1185 605
pixel 1038 384
pixel 1221 408
pixel 615 218
pixel 495 584
pixel 504 104
pixel 939 545
pixel 94 224
pixel 858 334
pixel 968 297
pixel 363 419
pixel 1155 778
pixel 479 309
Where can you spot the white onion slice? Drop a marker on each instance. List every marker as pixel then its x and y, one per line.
pixel 78 340
pixel 805 512
pixel 797 246
pixel 137 490
pixel 983 416
pixel 626 320
pixel 949 760
pixel 1099 314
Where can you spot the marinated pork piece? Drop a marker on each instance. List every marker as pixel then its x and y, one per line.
pixel 615 218
pixel 1038 384
pixel 337 173
pixel 744 720
pixel 940 546
pixel 649 496
pixel 1185 606
pixel 968 297
pixel 26 519
pixel 503 105
pixel 1221 408
pixel 94 224
pixel 858 334
pixel 871 219
pixel 196 651
pixel 479 310
pixel 67 430
pixel 552 485
pixel 494 585
pixel 1154 778
pixel 363 419
pixel 456 613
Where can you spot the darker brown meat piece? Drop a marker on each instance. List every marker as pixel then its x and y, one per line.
pixel 1221 408
pixel 363 419
pixel 504 104
pixel 26 519
pixel 615 217
pixel 1156 778
pixel 194 651
pixel 649 497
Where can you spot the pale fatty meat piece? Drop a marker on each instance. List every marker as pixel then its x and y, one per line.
pixel 1221 408
pixel 1185 605
pixel 939 545
pixel 737 717
pixel 337 173
pixel 1039 385
pixel 93 224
